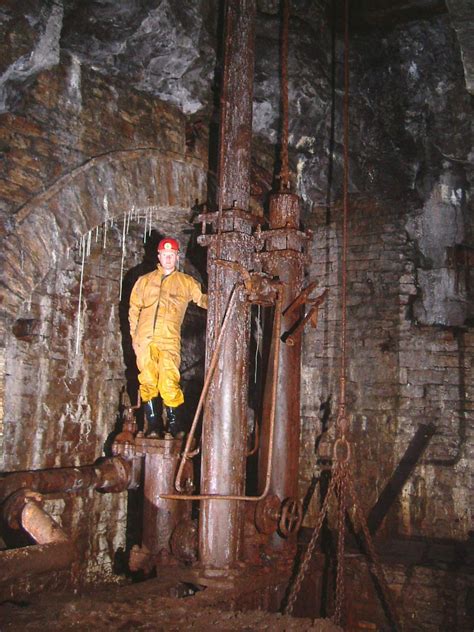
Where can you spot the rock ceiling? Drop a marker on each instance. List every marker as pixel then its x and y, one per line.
pixel 168 48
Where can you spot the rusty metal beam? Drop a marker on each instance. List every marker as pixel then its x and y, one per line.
pixel 31 560
pixel 407 464
pixel 54 551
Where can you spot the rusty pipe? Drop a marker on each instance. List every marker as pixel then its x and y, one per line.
pixel 276 359
pixel 109 475
pixel 24 510
pixel 215 356
pixel 54 550
pixel 39 524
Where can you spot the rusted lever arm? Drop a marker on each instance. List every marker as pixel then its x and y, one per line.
pixel 311 315
pixel 301 299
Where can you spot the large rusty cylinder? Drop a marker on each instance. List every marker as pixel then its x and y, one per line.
pixel 161 516
pixel 236 104
pixel 284 482
pixel 112 474
pixel 229 247
pixel 234 220
pixel 285 258
pixel 224 432
pixel 284 210
pixel 225 446
pixel 289 239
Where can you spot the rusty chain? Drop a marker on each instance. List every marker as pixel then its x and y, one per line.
pixel 341 484
pixel 341 514
pixel 296 585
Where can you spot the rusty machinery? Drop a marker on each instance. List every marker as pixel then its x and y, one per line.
pixel 247 265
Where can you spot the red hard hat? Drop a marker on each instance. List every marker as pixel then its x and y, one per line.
pixel 168 244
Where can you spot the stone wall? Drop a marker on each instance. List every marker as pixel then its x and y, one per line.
pixel 400 374
pixel 409 330
pixel 75 166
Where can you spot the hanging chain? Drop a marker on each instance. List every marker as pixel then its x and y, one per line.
pixel 296 586
pixel 341 484
pixel 341 514
pixel 284 168
pixel 342 422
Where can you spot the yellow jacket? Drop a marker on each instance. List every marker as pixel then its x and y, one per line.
pixel 158 304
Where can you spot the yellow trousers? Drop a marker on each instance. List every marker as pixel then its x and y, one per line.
pixel 159 374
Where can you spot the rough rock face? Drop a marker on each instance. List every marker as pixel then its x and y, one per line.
pixel 411 138
pixel 164 48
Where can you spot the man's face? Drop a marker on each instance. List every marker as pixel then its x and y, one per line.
pixel 168 260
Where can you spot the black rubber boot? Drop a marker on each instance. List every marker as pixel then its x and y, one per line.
pixel 154 426
pixel 173 423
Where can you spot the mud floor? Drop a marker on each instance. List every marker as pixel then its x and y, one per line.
pixel 139 607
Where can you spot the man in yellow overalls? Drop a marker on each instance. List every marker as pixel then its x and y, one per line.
pixel 158 304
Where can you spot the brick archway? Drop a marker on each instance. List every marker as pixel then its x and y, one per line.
pixel 54 220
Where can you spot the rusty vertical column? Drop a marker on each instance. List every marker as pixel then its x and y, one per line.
pixel 284 258
pixel 224 427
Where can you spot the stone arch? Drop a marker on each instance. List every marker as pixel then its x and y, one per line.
pixel 43 231
pixel 52 222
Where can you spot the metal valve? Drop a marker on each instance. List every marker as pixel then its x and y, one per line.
pixel 291 517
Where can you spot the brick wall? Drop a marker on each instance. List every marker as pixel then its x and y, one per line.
pixel 400 374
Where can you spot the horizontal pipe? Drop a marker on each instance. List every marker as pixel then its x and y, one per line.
pixel 112 474
pixel 22 490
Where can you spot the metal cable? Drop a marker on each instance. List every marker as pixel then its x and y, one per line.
pixel 341 420
pixel 284 168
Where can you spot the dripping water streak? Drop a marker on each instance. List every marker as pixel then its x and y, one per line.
pixel 79 306
pixel 123 253
pixel 259 335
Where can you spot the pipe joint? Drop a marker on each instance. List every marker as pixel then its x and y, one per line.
pixel 14 505
pixel 114 475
